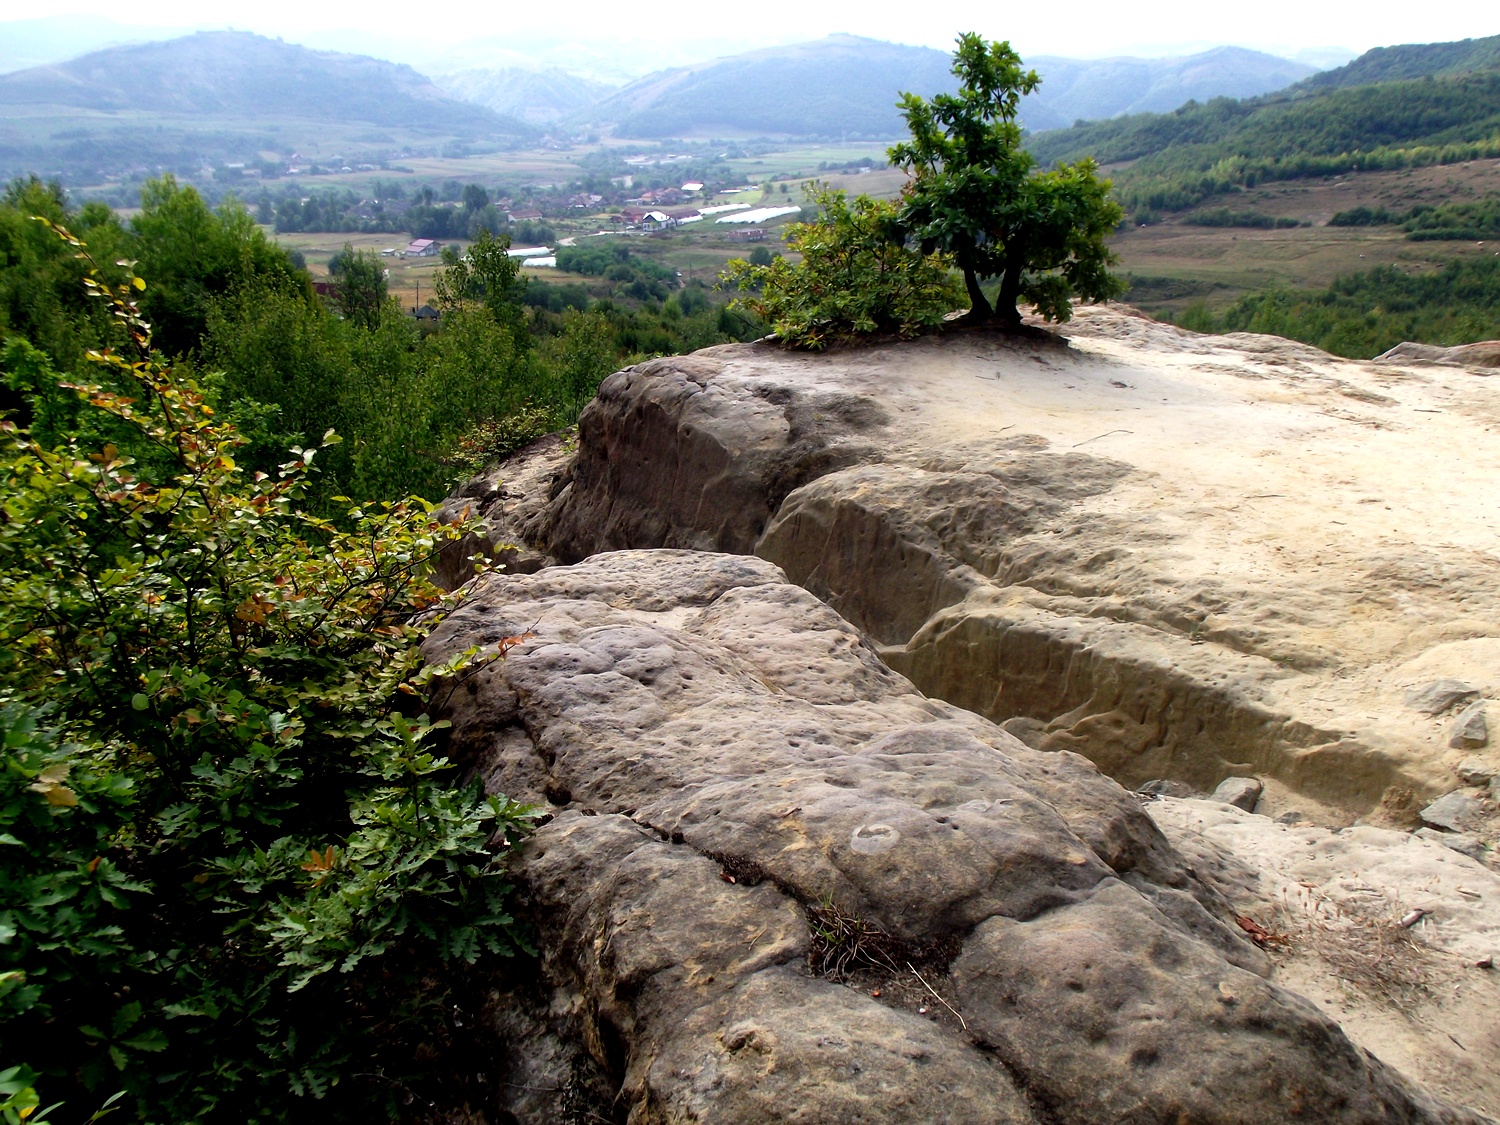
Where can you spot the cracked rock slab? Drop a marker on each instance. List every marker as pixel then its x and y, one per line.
pixel 721 750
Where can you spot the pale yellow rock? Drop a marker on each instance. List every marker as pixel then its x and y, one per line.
pixel 1183 556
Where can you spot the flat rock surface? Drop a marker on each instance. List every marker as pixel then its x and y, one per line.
pixel 1334 901
pixel 1181 556
pixel 728 762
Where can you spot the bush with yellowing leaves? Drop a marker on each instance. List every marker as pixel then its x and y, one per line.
pixel 235 871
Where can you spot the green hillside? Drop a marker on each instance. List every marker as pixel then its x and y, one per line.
pixel 1411 60
pixel 1176 160
pixel 220 97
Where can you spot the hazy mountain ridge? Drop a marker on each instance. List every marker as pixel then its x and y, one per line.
pixel 535 96
pixel 240 75
pixel 1412 60
pixel 847 85
pixel 1100 88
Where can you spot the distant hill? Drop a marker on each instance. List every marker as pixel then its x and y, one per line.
pixel 839 85
pixel 535 96
pixel 1092 89
pixel 1412 60
pixel 846 85
pixel 1173 161
pixel 238 75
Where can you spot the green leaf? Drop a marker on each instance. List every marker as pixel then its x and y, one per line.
pixel 126 1018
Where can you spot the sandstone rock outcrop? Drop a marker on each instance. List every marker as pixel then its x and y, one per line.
pixel 726 758
pixel 1486 353
pixel 1183 557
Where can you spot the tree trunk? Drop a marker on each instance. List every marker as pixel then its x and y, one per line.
pixel 979 305
pixel 1006 310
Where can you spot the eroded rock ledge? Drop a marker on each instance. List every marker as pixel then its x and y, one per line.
pixel 1183 557
pixel 721 751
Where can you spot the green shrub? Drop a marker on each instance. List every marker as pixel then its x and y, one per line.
pixel 238 874
pixel 856 277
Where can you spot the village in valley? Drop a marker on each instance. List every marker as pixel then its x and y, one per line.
pixel 690 226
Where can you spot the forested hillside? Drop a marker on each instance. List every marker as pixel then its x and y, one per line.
pixel 1411 60
pixel 1176 160
pixel 1364 314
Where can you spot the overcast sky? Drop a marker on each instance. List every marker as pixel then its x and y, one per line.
pixel 646 37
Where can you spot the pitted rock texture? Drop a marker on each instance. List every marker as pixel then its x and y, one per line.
pixel 721 751
pixel 1182 556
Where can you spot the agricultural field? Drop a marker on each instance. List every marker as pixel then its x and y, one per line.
pixel 1170 264
pixel 1175 263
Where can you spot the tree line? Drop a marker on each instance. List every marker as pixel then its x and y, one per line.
pixel 229 305
pixel 1361 315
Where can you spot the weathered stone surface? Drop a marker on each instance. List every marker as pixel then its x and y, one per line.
pixel 1470 731
pixel 1241 792
pixel 1409 995
pixel 1485 353
pixel 673 454
pixel 512 499
pixel 720 749
pixel 1461 842
pixel 1476 771
pixel 1181 556
pixel 1456 811
pixel 1111 1016
pixel 1440 695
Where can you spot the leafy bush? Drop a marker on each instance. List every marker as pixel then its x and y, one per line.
pixel 976 195
pixel 238 874
pixel 856 277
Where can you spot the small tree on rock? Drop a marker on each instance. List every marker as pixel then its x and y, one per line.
pixel 975 194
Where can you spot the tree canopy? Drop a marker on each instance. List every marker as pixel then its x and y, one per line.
pixel 975 193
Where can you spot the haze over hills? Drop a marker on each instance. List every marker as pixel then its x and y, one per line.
pixel 848 86
pixel 845 85
pixel 216 98
pixel 535 96
pixel 248 76
pixel 1091 89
